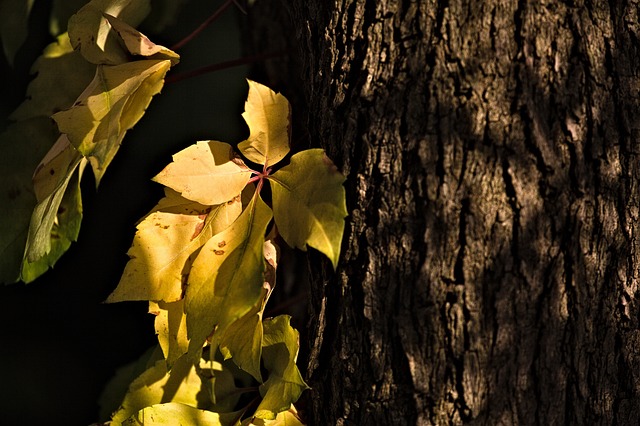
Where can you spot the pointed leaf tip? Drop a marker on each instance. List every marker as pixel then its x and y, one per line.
pixel 268 115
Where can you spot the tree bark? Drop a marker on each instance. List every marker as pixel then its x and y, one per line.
pixel 490 262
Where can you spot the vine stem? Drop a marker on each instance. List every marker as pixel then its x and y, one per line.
pixel 204 25
pixel 221 66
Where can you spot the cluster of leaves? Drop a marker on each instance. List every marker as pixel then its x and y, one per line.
pixel 205 259
pixel 116 71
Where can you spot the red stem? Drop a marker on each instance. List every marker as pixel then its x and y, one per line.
pixel 221 66
pixel 204 25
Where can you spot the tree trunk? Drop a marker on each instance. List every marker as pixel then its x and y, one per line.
pixel 490 262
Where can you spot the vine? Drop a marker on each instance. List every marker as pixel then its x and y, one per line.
pixel 205 256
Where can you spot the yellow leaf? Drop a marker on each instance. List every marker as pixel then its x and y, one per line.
pixel 173 413
pixel 171 328
pixel 226 279
pixel 112 104
pixel 162 247
pixel 309 204
pixel 268 116
pixel 139 44
pixel 207 172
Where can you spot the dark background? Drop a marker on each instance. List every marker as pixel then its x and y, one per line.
pixel 59 345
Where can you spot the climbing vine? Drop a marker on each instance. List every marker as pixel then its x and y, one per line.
pixel 205 257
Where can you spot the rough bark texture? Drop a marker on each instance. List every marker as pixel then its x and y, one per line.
pixel 490 264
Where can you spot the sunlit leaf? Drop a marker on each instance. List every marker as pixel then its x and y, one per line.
pixel 156 385
pixel 91 34
pixel 279 352
pixel 49 92
pixel 112 104
pixel 227 277
pixel 207 172
pixel 268 116
pixel 22 145
pixel 284 418
pixel 242 340
pixel 309 204
pixel 173 413
pixel 14 20
pixel 163 244
pixel 139 44
pixel 171 328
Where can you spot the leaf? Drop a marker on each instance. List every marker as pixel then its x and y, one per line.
pixel 173 413
pixel 14 20
pixel 309 203
pixel 65 230
pixel 227 276
pixel 284 418
pixel 163 244
pixel 60 164
pixel 268 116
pixel 171 328
pixel 91 34
pixel 279 352
pixel 49 91
pixel 242 340
pixel 22 145
pixel 206 172
pixel 111 105
pixel 220 380
pixel 156 385
pixel 61 11
pixel 139 44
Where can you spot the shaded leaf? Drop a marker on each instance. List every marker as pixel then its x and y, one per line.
pixel 279 352
pixel 173 413
pixel 14 20
pixel 22 145
pixel 220 384
pixel 60 166
pixel 112 104
pixel 268 116
pixel 242 340
pixel 90 33
pixel 309 203
pixel 227 276
pixel 48 92
pixel 163 244
pixel 61 11
pixel 207 172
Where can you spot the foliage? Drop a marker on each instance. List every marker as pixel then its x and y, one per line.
pixel 205 257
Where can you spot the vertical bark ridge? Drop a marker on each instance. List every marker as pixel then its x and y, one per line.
pixel 490 266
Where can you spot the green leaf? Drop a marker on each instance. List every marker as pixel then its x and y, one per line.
pixel 172 413
pixel 165 241
pixel 22 145
pixel 62 75
pixel 226 278
pixel 279 352
pixel 14 20
pixel 112 104
pixel 268 116
pixel 65 230
pixel 309 203
pixel 156 385
pixel 91 34
pixel 242 340
pixel 207 172
pixel 51 180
